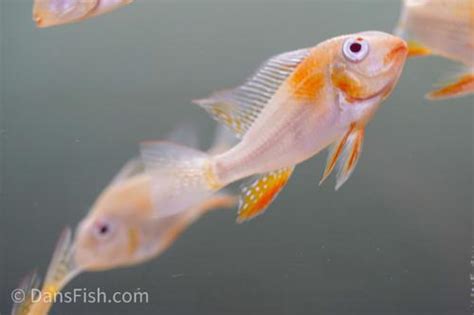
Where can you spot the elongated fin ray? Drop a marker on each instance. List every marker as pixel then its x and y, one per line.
pixel 463 86
pixel 343 155
pixel 335 152
pixel 349 157
pixel 260 193
pixel 239 108
pixel 180 176
pixel 30 282
pixel 62 267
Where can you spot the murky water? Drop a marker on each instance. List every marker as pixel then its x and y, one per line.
pixel 76 100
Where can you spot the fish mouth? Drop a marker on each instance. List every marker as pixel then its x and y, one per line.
pixel 38 20
pixel 396 56
pixel 63 267
pixel 393 62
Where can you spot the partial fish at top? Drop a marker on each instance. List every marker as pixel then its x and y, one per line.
pixel 444 28
pixel 56 12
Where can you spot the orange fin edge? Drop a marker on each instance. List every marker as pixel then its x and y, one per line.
pixel 463 86
pixel 334 154
pixel 415 49
pixel 260 193
pixel 350 156
pixel 344 155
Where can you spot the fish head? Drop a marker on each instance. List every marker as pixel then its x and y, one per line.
pixel 100 243
pixel 105 242
pixel 55 12
pixel 367 65
pixel 112 234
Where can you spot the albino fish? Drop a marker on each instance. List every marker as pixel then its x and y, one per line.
pixel 56 12
pixel 294 106
pixel 125 227
pixel 444 28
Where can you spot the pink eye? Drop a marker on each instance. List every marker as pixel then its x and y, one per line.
pixel 103 229
pixel 355 49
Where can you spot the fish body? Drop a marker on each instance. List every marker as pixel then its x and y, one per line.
pixel 129 224
pixel 295 105
pixel 48 13
pixel 444 28
pixel 125 226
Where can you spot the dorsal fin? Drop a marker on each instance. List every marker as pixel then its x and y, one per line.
pixel 239 108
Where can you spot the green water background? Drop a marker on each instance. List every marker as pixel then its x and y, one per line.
pixel 77 99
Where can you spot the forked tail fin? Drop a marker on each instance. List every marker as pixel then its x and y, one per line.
pixel 181 177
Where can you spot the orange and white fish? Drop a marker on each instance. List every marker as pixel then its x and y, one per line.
pixel 56 12
pixel 294 106
pixel 444 28
pixel 125 227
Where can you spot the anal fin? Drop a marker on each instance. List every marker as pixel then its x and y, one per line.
pixel 260 193
pixel 344 155
pixel 464 85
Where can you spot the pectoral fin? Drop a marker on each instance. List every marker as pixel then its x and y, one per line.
pixel 463 86
pixel 258 195
pixel 416 49
pixel 344 154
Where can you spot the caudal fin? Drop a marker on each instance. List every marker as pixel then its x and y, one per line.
pixel 181 177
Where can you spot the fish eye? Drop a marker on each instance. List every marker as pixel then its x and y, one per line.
pixel 103 229
pixel 355 49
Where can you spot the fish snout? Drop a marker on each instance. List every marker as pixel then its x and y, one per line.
pixel 398 53
pixel 37 19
